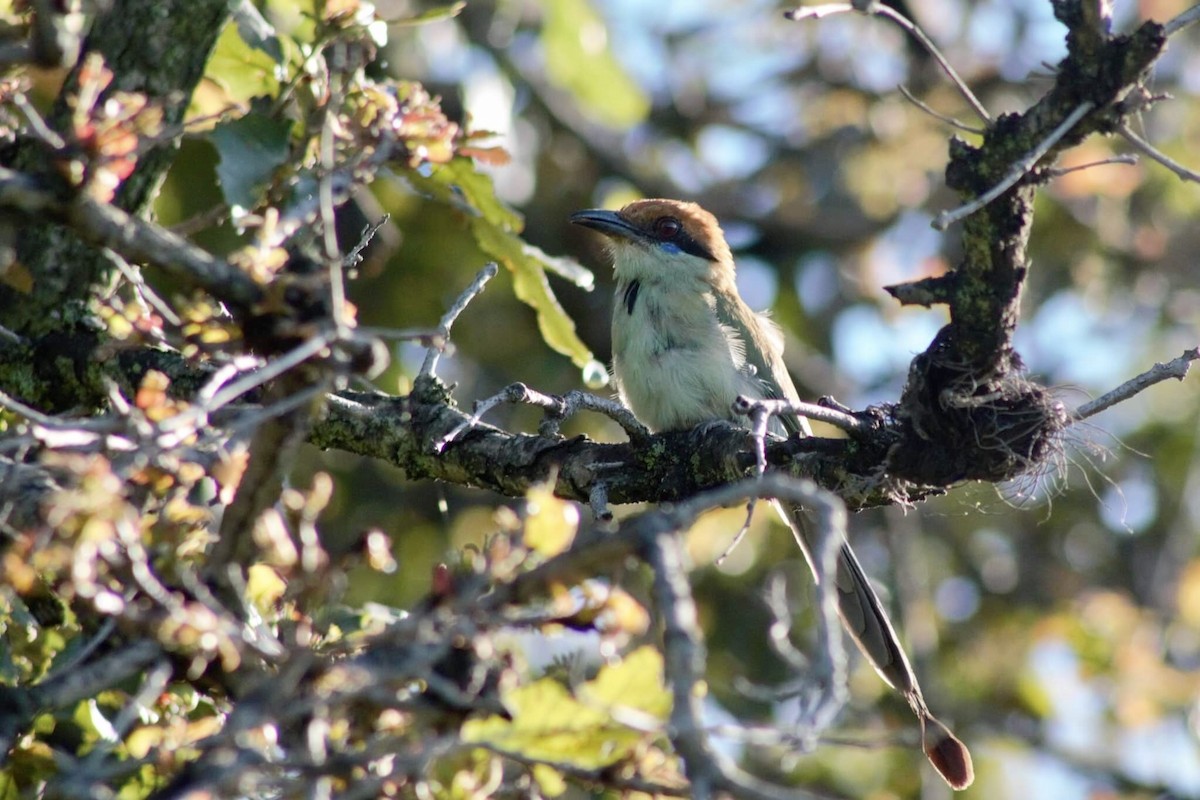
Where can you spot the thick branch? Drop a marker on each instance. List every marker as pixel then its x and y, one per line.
pixel 164 61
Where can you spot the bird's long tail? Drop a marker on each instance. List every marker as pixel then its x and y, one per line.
pixel 864 616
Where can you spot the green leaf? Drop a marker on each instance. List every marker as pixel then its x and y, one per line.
pixel 251 149
pixel 550 724
pixel 636 682
pixel 434 14
pixel 243 72
pixel 496 229
pixel 578 59
pixel 8 786
pixel 476 190
pixel 532 288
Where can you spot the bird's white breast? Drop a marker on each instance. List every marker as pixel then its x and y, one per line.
pixel 675 364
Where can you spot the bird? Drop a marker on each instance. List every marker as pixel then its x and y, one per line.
pixel 685 345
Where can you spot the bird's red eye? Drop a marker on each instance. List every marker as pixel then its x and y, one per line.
pixel 666 228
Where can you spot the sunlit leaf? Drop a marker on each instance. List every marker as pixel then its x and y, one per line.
pixel 549 780
pixel 550 724
pixel 550 522
pixel 236 73
pixel 477 191
pixel 435 14
pixel 579 60
pixel 636 682
pixel 264 587
pixel 495 228
pixel 532 288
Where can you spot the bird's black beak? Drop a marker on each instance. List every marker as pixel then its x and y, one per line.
pixel 610 223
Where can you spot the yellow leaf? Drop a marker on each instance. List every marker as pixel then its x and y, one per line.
pixel 624 613
pixel 264 587
pixel 549 780
pixel 143 740
pixel 636 682
pixel 550 522
pixel 550 724
pixel 1188 594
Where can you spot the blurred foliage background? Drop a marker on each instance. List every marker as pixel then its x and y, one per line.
pixel 1056 621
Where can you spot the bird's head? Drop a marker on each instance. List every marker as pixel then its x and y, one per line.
pixel 662 239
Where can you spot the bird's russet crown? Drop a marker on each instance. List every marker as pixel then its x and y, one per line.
pixel 686 225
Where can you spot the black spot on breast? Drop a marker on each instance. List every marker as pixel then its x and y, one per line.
pixel 630 295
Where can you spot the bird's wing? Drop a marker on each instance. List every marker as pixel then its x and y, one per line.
pixel 764 352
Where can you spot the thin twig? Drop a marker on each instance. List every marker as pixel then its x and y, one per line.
pixel 1182 21
pixel 561 408
pixel 915 30
pixel 1176 368
pixel 1158 155
pixel 355 255
pixel 760 418
pixel 872 8
pixel 598 502
pixel 54 423
pixel 709 769
pixel 1126 158
pixel 832 416
pixel 227 394
pixel 947 218
pixel 141 287
pixel 11 336
pixel 817 12
pixel 484 275
pixel 256 417
pixel 557 409
pixel 333 257
pixel 921 104
pixel 137 240
pixel 45 134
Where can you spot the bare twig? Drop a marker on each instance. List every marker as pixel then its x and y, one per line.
pixel 1158 155
pixel 430 337
pixel 355 255
pixel 921 104
pixel 481 278
pixel 598 502
pixel 833 416
pixel 90 424
pixel 557 409
pixel 818 12
pixel 11 336
pixel 873 8
pixel 201 410
pixel 1127 158
pixel 1176 368
pixel 1022 167
pixel 760 418
pixel 45 134
pixel 575 400
pixel 142 288
pixel 1182 21
pixel 709 769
